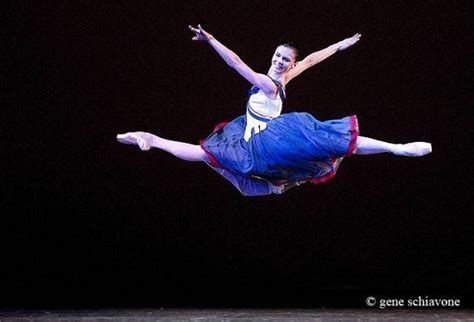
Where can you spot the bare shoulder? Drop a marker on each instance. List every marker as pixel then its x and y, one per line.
pixel 267 85
pixel 262 81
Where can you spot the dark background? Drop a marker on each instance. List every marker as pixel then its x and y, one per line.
pixel 86 221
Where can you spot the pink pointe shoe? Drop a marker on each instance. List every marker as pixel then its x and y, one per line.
pixel 133 138
pixel 415 149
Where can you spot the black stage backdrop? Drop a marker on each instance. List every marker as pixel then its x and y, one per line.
pixel 87 221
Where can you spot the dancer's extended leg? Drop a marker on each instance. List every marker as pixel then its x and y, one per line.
pixel 367 145
pixel 146 141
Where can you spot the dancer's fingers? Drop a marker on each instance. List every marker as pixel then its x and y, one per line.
pixel 193 29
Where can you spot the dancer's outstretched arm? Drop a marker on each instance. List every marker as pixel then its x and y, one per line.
pixel 234 61
pixel 319 56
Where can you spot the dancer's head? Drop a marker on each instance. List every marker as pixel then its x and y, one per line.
pixel 291 45
pixel 285 57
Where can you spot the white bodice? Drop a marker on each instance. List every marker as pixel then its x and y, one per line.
pixel 260 110
pixel 265 107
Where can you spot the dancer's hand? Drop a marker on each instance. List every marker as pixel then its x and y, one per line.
pixel 200 34
pixel 346 43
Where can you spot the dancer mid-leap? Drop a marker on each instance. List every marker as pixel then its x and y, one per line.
pixel 264 151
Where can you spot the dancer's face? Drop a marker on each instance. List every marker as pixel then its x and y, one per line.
pixel 283 59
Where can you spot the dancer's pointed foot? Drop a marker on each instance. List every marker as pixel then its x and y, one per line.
pixel 415 149
pixel 142 139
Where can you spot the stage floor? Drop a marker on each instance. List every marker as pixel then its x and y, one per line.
pixel 237 314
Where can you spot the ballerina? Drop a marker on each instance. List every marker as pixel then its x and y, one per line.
pixel 265 151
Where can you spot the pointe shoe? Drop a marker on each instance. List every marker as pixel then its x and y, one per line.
pixel 133 138
pixel 415 149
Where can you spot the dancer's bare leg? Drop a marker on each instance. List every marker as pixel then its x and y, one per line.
pixel 146 141
pixel 365 145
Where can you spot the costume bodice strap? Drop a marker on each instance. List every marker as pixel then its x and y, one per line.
pixel 281 89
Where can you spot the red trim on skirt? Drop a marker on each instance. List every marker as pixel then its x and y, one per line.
pixel 212 159
pixel 354 135
pixel 350 150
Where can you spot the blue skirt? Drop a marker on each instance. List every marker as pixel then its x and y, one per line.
pixel 293 149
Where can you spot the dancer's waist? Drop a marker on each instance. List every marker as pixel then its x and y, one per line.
pixel 258 116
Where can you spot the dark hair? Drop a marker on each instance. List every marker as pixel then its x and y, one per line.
pixel 292 45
